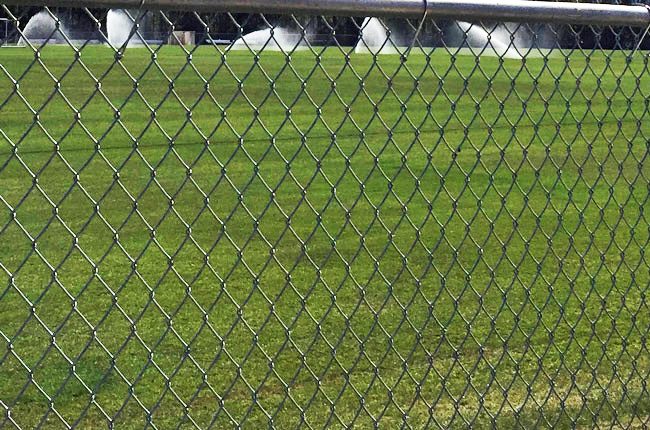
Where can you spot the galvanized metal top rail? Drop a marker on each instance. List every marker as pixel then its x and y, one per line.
pixel 467 10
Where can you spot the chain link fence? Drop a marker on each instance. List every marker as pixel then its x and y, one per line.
pixel 216 220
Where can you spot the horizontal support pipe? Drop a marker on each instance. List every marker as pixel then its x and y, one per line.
pixel 541 11
pixel 466 10
pixel 397 8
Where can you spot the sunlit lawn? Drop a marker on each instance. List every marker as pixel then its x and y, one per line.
pixel 332 240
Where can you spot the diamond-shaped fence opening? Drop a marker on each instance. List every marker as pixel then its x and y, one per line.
pixel 211 220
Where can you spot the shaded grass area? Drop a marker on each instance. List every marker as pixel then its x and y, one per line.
pixel 335 239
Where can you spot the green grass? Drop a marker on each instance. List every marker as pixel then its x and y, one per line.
pixel 451 240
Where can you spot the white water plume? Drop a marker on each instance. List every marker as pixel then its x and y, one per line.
pixel 41 28
pixel 276 39
pixel 376 38
pixel 119 27
pixel 501 40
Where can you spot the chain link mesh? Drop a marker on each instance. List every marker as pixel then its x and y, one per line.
pixel 215 221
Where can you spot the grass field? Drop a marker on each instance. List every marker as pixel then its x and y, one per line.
pixel 442 242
